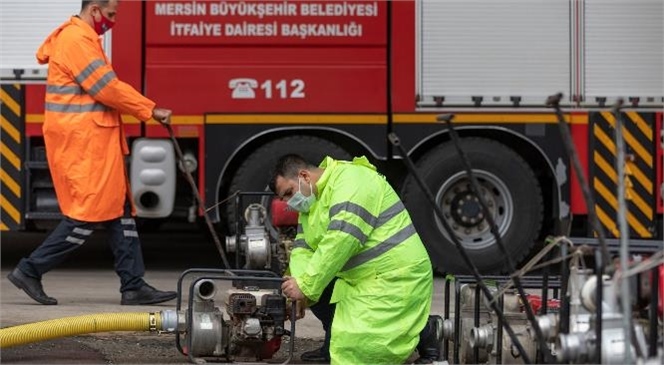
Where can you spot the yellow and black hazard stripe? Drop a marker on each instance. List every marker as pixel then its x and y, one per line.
pixel 11 156
pixel 638 134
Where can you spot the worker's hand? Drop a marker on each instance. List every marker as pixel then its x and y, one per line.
pixel 161 115
pixel 291 289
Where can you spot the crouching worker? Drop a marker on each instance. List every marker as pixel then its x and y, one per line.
pixel 353 226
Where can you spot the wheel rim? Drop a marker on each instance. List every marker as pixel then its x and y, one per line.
pixel 463 212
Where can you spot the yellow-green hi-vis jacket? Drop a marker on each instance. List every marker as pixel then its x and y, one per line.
pixel 359 231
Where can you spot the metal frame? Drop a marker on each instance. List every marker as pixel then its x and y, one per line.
pixel 545 282
pixel 239 219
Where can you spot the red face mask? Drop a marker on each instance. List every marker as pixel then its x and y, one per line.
pixel 103 25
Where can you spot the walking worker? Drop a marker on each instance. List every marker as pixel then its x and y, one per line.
pixel 86 148
pixel 353 226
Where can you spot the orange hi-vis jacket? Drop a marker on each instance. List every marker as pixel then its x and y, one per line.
pixel 83 133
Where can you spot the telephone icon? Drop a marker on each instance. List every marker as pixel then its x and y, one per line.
pixel 243 88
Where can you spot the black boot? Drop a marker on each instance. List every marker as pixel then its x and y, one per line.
pixel 316 356
pixel 431 341
pixel 31 286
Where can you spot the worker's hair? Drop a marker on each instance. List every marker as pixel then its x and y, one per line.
pixel 288 167
pixel 86 3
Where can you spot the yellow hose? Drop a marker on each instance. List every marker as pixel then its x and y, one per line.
pixel 78 325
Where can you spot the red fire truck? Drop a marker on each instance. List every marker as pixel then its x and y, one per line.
pixel 251 80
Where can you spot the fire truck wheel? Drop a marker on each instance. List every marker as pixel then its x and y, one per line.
pixel 509 187
pixel 254 171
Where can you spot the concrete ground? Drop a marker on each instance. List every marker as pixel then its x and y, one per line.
pixel 81 292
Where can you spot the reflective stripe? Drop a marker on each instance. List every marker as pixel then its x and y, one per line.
pixel 78 241
pixel 300 229
pixel 361 212
pixel 380 248
pixel 96 88
pixel 390 213
pixel 88 70
pixel 60 89
pixel 349 228
pixel 301 244
pixel 130 233
pixel 356 209
pixel 75 108
pixel 81 231
pixel 127 221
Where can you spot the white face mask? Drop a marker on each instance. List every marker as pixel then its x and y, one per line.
pixel 302 203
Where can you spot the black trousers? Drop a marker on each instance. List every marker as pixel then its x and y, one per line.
pixel 324 311
pixel 70 234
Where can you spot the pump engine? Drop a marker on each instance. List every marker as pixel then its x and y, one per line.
pixel 249 326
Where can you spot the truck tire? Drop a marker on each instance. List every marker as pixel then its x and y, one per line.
pixel 254 172
pixel 512 193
